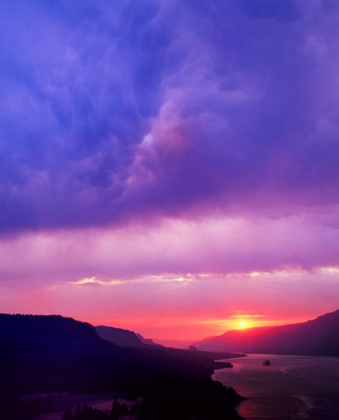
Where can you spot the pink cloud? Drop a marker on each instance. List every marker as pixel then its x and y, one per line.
pixel 173 247
pixel 192 277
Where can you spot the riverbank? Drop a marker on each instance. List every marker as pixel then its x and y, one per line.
pixel 221 398
pixel 304 387
pixel 102 401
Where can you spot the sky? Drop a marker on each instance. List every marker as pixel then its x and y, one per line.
pixel 170 167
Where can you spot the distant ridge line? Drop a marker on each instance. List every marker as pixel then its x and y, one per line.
pixel 288 417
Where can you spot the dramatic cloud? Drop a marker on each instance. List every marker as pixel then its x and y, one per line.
pixel 173 249
pixel 154 147
pixel 153 108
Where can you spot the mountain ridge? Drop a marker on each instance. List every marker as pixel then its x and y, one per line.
pixel 119 336
pixel 319 336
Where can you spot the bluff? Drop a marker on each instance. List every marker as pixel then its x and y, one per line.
pixel 319 337
pixel 119 336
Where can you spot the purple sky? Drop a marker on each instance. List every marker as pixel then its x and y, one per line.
pixel 170 166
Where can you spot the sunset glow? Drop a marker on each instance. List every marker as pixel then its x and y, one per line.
pixel 170 167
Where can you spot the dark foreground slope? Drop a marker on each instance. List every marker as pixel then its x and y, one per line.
pixel 67 355
pixel 76 358
pixel 317 337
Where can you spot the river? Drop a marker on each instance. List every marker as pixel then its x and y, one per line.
pixel 301 387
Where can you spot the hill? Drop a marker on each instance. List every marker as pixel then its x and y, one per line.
pixel 119 336
pixel 176 344
pixel 147 341
pixel 316 337
pixel 56 354
pixel 51 331
pixel 124 338
pixel 76 358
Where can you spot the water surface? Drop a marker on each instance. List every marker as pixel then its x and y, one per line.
pixel 301 387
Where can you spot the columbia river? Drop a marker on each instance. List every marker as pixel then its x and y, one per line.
pixel 295 387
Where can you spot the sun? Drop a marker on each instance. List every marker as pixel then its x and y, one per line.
pixel 242 324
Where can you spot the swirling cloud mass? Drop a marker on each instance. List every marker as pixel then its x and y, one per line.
pixel 180 156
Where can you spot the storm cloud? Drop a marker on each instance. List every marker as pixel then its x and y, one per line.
pixel 180 156
pixel 179 109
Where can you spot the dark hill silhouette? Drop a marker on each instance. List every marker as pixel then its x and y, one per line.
pixel 124 338
pixel 317 337
pixel 53 354
pixel 206 340
pixel 53 332
pixel 147 341
pixel 119 336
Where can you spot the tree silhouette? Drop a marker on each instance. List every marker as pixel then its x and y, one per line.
pixel 134 409
pixel 124 410
pixel 67 415
pixel 49 403
pixel 78 413
pixel 116 410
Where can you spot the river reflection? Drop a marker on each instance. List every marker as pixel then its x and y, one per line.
pixel 301 387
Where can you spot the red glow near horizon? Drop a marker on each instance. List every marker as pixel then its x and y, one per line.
pixel 169 180
pixel 67 273
pixel 166 313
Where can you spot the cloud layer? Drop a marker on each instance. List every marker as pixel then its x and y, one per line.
pixel 183 150
pixel 150 109
pixel 173 249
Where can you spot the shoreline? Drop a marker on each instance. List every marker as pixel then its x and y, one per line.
pixel 289 381
pixel 102 400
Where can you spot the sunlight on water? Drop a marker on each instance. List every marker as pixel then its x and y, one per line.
pixel 300 386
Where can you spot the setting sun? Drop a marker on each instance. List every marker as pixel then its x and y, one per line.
pixel 242 324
